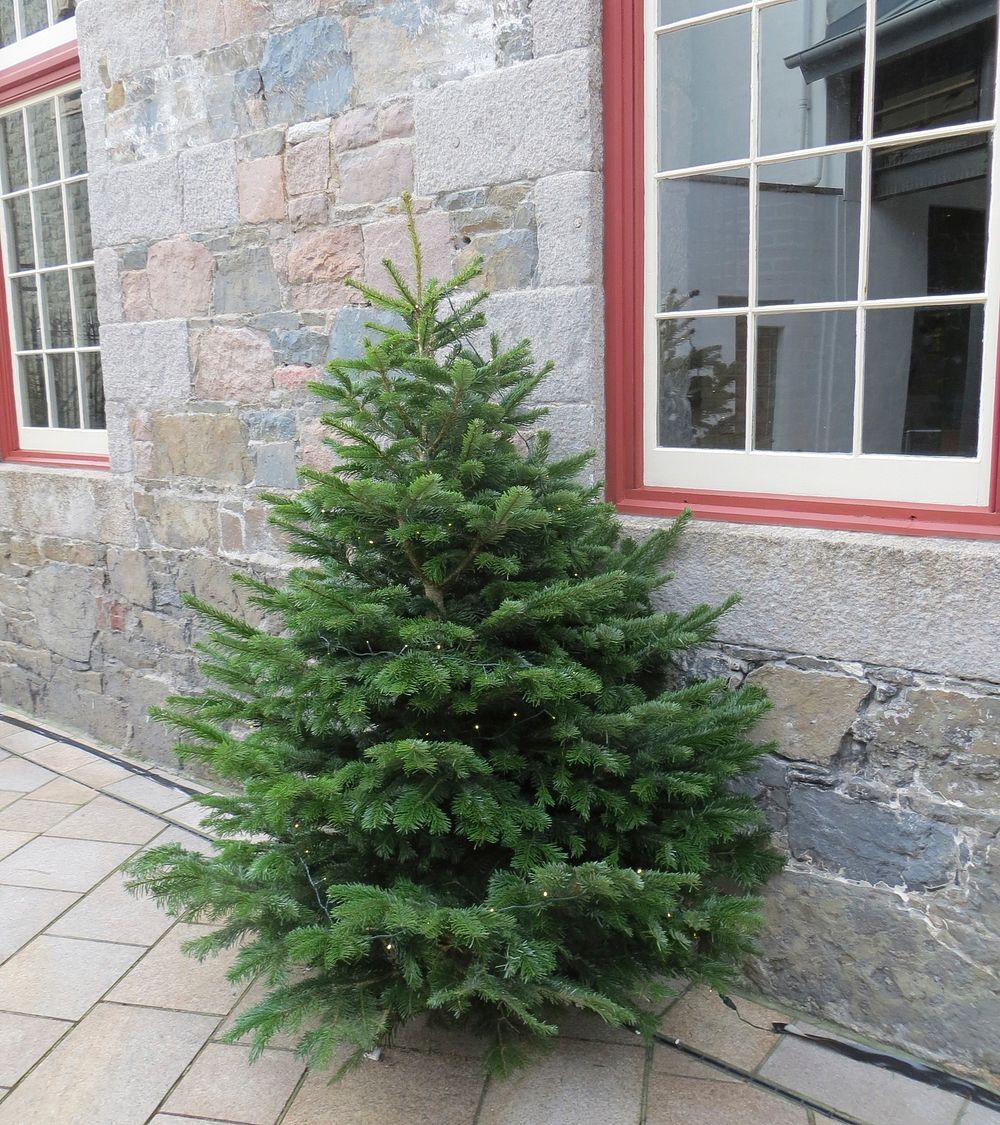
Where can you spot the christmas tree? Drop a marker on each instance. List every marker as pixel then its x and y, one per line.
pixel 467 783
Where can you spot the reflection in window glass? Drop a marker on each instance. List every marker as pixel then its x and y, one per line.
pixel 805 382
pixel 14 155
pixel 78 206
pixel 34 16
pixel 928 218
pixel 62 368
pixel 43 145
pixel 704 88
pixel 8 29
pixel 805 97
pixel 672 11
pixel 85 290
pixel 922 380
pixel 702 383
pixel 20 233
pixel 93 389
pixel 809 229
pixel 74 143
pixel 34 393
pixel 49 226
pixel 58 319
pixel 27 319
pixel 704 240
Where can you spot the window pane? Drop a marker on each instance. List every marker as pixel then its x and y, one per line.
pixel 15 156
pixel 93 390
pixel 62 368
pixel 927 76
pixel 20 238
pixel 928 223
pixel 34 395
pixel 42 142
pixel 704 241
pixel 806 93
pixel 63 9
pixel 74 142
pixel 27 320
pixel 85 293
pixel 81 248
pixel 704 93
pixel 809 229
pixel 34 16
pixel 8 32
pixel 49 222
pixel 702 382
pixel 923 368
pixel 670 11
pixel 805 382
pixel 58 315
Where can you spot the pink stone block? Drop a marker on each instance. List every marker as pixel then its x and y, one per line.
pixel 376 174
pixel 135 296
pixel 233 364
pixel 355 129
pixel 319 261
pixel 307 166
pixel 293 376
pixel 261 186
pixel 389 239
pixel 180 278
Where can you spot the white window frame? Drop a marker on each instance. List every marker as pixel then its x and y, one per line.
pixel 942 481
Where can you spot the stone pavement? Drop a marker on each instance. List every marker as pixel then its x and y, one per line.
pixel 103 1021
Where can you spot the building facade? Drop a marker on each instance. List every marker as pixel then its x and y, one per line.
pixel 755 239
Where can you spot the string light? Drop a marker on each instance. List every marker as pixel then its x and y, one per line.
pixel 545 894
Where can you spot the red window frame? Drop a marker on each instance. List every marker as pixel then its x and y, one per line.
pixel 624 234
pixel 46 71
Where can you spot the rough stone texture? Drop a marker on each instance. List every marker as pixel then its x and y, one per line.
pixel 307 165
pixel 371 175
pixel 812 712
pixel 208 446
pixel 570 217
pixel 389 239
pixel 179 275
pixel 232 364
pixel 306 71
pixel 136 201
pixel 523 122
pixel 146 363
pixel 208 181
pixel 560 25
pixel 261 189
pixel 319 262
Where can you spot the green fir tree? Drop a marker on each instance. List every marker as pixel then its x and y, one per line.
pixel 464 783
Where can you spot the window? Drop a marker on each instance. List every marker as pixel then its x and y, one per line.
pixel 802 305
pixel 51 392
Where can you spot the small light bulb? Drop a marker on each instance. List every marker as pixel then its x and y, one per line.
pixel 515 714
pixel 638 871
pixel 493 910
pixel 389 946
pixel 545 894
pixel 477 726
pixel 439 648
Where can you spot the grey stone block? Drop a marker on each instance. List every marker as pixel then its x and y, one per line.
pixel 208 179
pixel 108 281
pixel 136 201
pixel 146 363
pixel 245 282
pixel 560 25
pixel 564 326
pixel 523 122
pixel 269 425
pixel 349 331
pixel 569 211
pixel 306 71
pixel 301 346
pixel 867 842
pixel 64 601
pixel 275 463
pixel 128 37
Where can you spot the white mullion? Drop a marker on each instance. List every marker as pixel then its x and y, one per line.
pixel 751 354
pixel 936 300
pixel 711 17
pixel 18 29
pixel 864 249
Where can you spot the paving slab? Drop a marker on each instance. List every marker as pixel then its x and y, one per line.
pixel 157 796
pixel 23 1041
pixel 22 741
pixel 410 1087
pixel 7 796
pixel 111 913
pixel 29 815
pixel 113 1069
pixel 577 1082
pixel 61 757
pixel 62 977
pixel 26 911
pixel 100 773
pixel 168 978
pixel 21 775
pixel 11 841
pixel 979 1115
pixel 701 1020
pixel 62 865
pixel 65 791
pixel 220 1084
pixel 107 819
pixel 873 1095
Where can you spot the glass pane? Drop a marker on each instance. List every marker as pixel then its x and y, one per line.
pixel 928 224
pixel 15 156
pixel 923 368
pixel 670 11
pixel 34 394
pixel 805 382
pixel 49 223
pixel 63 9
pixel 58 321
pixel 928 76
pixel 8 32
pixel 704 93
pixel 81 246
pixel 34 16
pixel 809 229
pixel 20 237
pixel 704 242
pixel 85 293
pixel 27 320
pixel 43 144
pixel 702 382
pixel 807 90
pixel 74 142
pixel 93 390
pixel 62 368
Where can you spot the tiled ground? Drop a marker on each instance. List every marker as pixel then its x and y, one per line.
pixel 103 1021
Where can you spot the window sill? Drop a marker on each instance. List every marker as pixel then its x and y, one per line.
pixel 789 511
pixel 94 461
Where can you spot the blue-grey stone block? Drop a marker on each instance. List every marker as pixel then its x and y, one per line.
pixel 349 330
pixel 270 425
pixel 305 72
pixel 299 346
pixel 245 282
pixel 275 465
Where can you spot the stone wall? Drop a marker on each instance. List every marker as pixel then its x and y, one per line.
pixel 246 157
